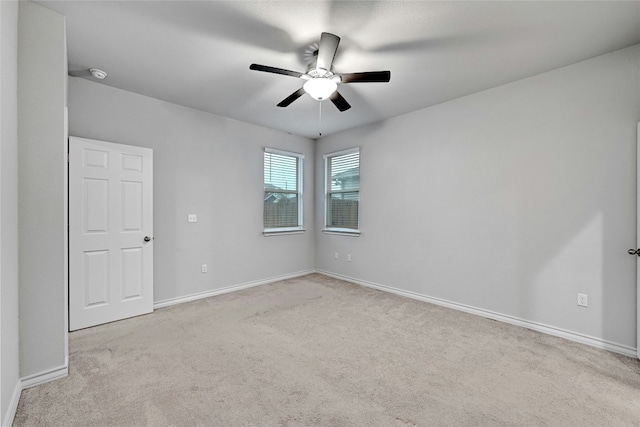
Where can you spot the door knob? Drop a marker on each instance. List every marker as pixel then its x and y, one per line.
pixel 147 238
pixel 634 252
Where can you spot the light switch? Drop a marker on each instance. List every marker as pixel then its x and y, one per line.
pixel 192 218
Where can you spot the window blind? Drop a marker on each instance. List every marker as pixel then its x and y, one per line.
pixel 282 195
pixel 343 190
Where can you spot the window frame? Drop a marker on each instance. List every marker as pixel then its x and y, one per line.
pixel 327 194
pixel 274 231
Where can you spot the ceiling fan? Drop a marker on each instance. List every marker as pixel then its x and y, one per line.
pixel 321 81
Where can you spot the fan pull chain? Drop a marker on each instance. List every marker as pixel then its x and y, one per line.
pixel 320 118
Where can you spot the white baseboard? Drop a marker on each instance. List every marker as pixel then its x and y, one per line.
pixel 193 297
pixel 28 382
pixel 13 405
pixel 539 327
pixel 45 377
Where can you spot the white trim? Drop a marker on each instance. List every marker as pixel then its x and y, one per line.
pixel 13 405
pixel 283 153
pixel 341 232
pixel 65 252
pixel 207 294
pixel 282 231
pixel 539 327
pixel 342 152
pixel 637 243
pixel 32 381
pixel 45 376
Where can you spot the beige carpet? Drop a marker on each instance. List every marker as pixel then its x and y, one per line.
pixel 315 351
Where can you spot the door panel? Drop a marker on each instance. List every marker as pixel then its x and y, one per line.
pixel 131 206
pixel 96 158
pixel 132 163
pixel 110 214
pixel 132 267
pixel 96 197
pixel 96 278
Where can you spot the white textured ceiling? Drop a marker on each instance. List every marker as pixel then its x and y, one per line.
pixel 197 54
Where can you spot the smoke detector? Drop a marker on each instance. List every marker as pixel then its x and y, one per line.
pixel 98 74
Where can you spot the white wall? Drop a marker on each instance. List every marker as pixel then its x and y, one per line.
pixel 9 351
pixel 203 164
pixel 511 200
pixel 41 174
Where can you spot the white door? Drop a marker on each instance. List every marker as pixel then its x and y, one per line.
pixel 636 251
pixel 110 232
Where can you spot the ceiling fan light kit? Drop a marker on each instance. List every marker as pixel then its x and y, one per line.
pixel 320 88
pixel 321 82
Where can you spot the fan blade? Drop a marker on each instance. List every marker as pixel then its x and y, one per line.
pixel 289 99
pixel 327 50
pixel 339 101
pixel 367 77
pixel 274 70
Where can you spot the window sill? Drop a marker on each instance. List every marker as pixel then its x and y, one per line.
pixel 283 232
pixel 341 232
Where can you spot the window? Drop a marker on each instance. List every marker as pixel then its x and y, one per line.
pixel 342 190
pixel 282 191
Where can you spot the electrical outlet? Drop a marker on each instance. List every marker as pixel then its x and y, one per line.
pixel 349 258
pixel 192 218
pixel 582 300
pixel 203 269
pixel 335 255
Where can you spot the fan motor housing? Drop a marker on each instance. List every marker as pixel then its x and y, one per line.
pixel 314 71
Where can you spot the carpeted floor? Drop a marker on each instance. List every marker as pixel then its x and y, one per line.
pixel 316 351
